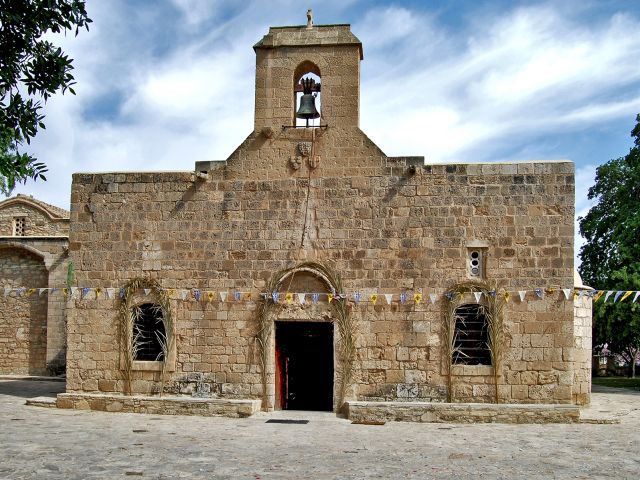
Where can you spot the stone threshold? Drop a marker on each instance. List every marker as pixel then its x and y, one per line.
pixel 166 405
pixel 461 412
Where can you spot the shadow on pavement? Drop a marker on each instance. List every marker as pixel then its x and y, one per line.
pixel 31 388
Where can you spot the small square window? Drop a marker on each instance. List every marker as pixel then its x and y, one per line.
pixel 19 226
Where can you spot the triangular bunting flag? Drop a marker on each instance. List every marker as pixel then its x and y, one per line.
pixel 539 292
pixel 626 294
pixel 597 295
pixel 417 297
pixel 85 292
pixel 567 293
pixel 98 292
pixel 301 298
pixel 522 294
pixel 7 291
pixel 635 297
pixel 289 298
pixel 237 296
pixel 618 295
pixel 42 290
pixel 184 294
pixel 373 298
pixel 329 297
pixel 147 291
pixel 356 297
pixel 210 296
pixel 478 296
pixel 433 297
pixel 73 290
pixel 606 297
pixel 315 297
pixel 388 297
pixel 196 294
pixel 53 290
pixel 507 296
pixel 223 296
pixel 110 292
pixel 403 298
pixel 30 292
pixel 275 296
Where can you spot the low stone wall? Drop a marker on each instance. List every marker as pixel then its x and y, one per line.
pixel 207 407
pixel 461 412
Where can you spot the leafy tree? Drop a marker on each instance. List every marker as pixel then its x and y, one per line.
pixel 611 254
pixel 31 70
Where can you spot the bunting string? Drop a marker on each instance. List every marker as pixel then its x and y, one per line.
pixel 357 297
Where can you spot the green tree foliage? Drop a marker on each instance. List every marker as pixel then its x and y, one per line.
pixel 611 254
pixel 31 70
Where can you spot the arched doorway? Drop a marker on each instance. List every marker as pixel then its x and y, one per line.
pixel 23 318
pixel 306 348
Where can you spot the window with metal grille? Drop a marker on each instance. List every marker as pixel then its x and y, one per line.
pixel 471 345
pixel 149 336
pixel 19 226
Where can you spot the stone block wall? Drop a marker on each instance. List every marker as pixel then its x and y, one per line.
pixel 380 225
pixel 23 320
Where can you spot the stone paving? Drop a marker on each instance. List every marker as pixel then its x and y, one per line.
pixel 48 443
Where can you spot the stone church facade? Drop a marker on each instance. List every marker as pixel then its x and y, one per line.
pixel 33 259
pixel 310 269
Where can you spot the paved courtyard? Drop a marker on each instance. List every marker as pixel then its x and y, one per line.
pixel 47 443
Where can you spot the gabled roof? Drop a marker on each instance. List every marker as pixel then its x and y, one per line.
pixel 53 212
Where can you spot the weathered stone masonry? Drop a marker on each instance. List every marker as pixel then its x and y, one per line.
pixel 383 224
pixel 32 327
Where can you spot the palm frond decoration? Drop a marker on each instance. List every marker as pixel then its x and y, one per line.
pixel 132 339
pixel 493 311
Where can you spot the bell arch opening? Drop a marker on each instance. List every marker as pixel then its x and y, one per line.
pixel 307 95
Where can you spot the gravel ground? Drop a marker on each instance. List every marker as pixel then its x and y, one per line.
pixel 47 443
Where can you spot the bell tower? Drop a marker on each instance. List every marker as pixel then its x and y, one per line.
pixel 309 73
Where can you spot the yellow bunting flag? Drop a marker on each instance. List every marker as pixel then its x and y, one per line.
pixel 417 297
pixel 373 298
pixel 98 292
pixel 626 294
pixel 597 296
pixel 329 297
pixel 507 297
pixel 289 298
pixel 30 292
pixel 210 296
pixel 171 292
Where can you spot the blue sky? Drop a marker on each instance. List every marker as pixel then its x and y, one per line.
pixel 162 84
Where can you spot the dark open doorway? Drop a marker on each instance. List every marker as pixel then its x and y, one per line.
pixel 304 366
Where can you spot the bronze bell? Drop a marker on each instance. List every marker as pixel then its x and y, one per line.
pixel 307 109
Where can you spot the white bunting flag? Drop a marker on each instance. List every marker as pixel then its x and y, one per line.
pixel 433 297
pixel 522 294
pixel 42 290
pixel 7 291
pixel 301 298
pixel 635 297
pixel 478 296
pixel 388 297
pixel 567 293
pixel 607 295
pixel 618 294
pixel 184 294
pixel 223 296
pixel 110 292
pixel 73 290
pixel 147 291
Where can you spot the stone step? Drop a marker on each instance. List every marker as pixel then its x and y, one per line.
pixel 48 402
